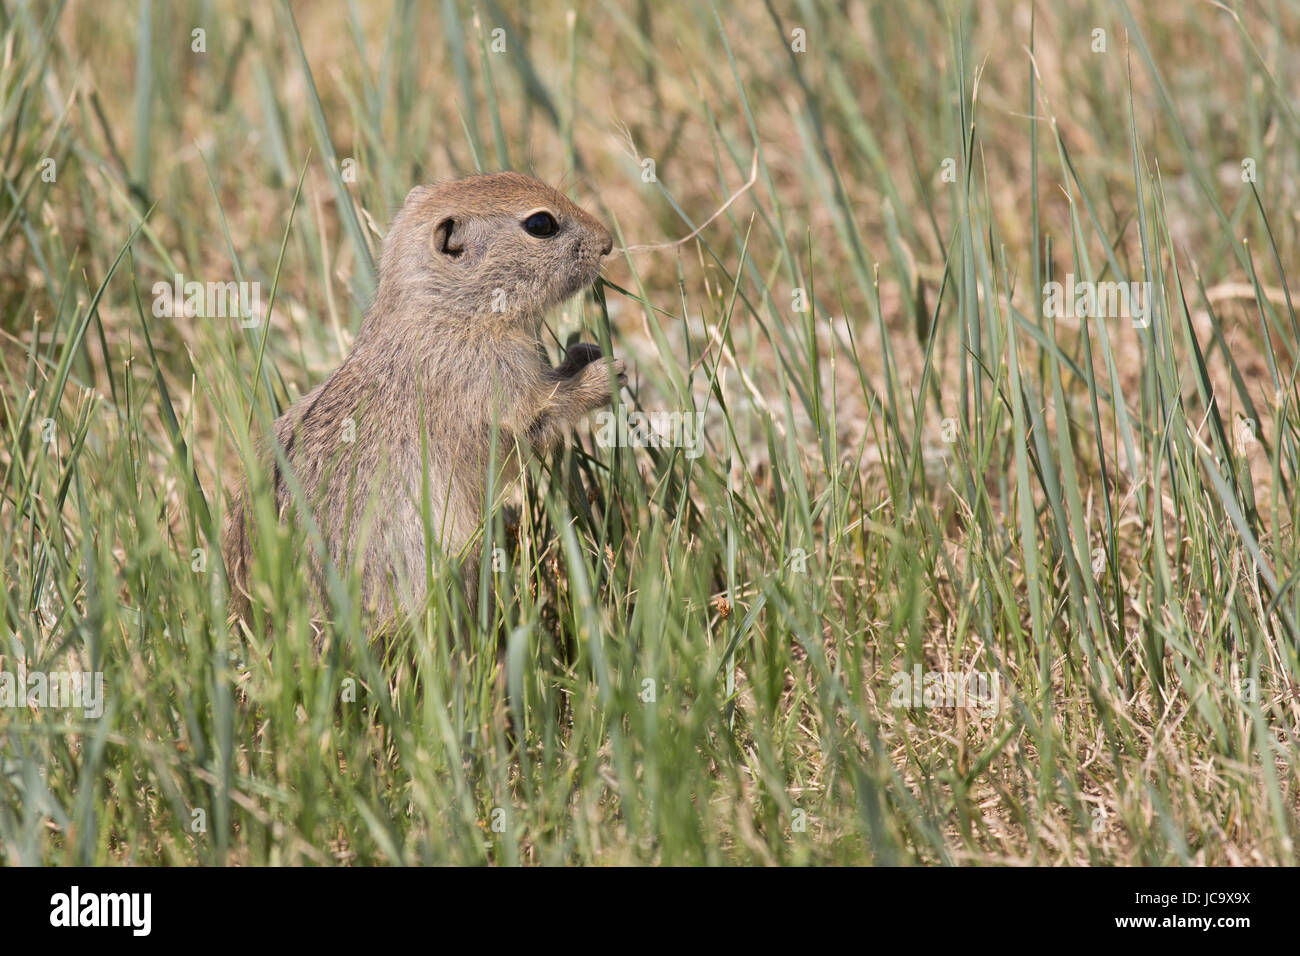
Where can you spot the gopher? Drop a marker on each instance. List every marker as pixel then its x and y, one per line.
pixel 451 345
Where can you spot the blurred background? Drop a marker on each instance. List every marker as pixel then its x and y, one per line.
pixel 873 140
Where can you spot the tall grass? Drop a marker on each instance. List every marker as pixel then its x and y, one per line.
pixel 906 464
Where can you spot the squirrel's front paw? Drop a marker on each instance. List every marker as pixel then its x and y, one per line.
pixel 619 370
pixel 595 381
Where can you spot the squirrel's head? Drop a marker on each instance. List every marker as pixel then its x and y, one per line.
pixel 501 246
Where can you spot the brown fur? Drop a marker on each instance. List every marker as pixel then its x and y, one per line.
pixel 454 251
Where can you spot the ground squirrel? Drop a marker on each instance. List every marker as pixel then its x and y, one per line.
pixel 468 269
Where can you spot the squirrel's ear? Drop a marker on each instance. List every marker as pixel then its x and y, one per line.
pixel 448 238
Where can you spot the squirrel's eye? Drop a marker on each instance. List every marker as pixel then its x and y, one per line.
pixel 541 225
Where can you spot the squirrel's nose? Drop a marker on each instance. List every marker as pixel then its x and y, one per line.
pixel 609 245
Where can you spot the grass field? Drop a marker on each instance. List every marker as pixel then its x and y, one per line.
pixel 914 459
